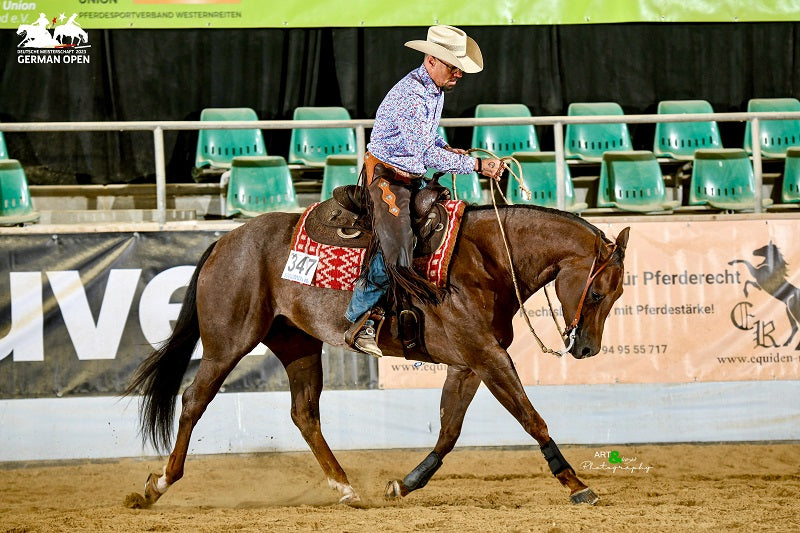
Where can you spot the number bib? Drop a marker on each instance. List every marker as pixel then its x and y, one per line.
pixel 300 267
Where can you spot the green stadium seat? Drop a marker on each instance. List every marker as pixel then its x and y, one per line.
pixel 631 180
pixel 588 142
pixel 339 170
pixel 467 187
pixel 679 140
pixel 790 190
pixel 15 197
pixel 504 140
pixel 217 148
pixel 311 146
pixel 3 149
pixel 539 175
pixel 723 178
pixel 259 184
pixel 776 135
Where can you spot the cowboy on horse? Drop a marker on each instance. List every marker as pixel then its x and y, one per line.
pixel 404 143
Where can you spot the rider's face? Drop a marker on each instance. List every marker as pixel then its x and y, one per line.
pixel 444 75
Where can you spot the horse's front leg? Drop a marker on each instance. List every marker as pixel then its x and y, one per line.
pixel 457 393
pixel 752 270
pixel 300 355
pixel 752 284
pixel 496 370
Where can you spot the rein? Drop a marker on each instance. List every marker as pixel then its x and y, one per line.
pixel 568 336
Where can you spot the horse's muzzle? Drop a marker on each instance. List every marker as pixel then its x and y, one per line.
pixel 583 349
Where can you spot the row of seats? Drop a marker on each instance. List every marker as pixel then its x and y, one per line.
pixel 629 180
pixel 609 144
pixel 257 184
pixel 587 142
pixel 721 179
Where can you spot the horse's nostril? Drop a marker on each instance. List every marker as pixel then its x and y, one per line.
pixel 586 352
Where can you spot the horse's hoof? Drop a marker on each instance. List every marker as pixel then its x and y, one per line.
pixel 151 492
pixel 395 489
pixel 352 499
pixel 135 500
pixel 584 496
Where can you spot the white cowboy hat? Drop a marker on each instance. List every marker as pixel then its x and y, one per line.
pixel 452 46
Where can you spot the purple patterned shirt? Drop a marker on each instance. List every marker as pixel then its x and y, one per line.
pixel 405 131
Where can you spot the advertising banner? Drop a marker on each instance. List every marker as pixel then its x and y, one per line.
pixel 137 14
pixel 79 312
pixel 703 301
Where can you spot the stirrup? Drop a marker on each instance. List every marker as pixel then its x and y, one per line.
pixel 365 341
pixel 363 335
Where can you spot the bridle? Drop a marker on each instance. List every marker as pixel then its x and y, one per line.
pixel 573 326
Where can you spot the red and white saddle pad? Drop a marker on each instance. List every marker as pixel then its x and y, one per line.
pixel 338 267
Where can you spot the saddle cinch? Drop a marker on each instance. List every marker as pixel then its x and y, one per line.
pixel 343 219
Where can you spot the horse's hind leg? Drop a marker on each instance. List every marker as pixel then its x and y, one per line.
pixel 301 355
pixel 457 393
pixel 210 375
pixel 792 308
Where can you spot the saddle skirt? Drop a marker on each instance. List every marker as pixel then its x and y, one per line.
pixel 339 237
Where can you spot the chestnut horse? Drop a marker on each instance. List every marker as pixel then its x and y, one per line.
pixel 237 298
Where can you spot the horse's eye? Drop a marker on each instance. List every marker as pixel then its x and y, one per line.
pixel 596 296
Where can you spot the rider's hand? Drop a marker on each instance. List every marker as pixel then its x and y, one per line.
pixel 492 168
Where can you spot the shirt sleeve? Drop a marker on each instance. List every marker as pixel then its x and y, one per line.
pixel 447 161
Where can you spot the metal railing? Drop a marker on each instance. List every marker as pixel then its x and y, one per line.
pixel 360 125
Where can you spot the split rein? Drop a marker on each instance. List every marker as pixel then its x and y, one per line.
pixel 568 336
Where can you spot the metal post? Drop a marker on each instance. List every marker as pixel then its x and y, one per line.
pixel 361 147
pixel 161 177
pixel 758 172
pixel 561 177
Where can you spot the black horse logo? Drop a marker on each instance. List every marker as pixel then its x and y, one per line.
pixel 770 276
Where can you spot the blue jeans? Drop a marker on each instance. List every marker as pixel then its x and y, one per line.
pixel 366 293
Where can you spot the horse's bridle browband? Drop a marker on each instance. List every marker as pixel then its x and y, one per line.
pixel 592 276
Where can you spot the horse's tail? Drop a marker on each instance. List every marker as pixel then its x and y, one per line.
pixel 159 377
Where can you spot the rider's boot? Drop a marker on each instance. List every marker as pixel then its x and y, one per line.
pixel 363 334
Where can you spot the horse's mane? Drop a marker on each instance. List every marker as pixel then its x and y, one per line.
pixel 778 262
pixel 546 211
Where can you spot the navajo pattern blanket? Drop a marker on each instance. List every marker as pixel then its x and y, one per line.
pixel 339 267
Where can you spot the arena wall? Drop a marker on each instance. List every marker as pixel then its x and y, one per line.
pixel 105 427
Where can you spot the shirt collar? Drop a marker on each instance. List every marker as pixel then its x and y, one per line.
pixel 427 81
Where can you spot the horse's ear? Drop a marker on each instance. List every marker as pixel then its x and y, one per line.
pixel 622 240
pixel 601 248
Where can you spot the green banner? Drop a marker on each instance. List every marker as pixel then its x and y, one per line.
pixel 110 14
